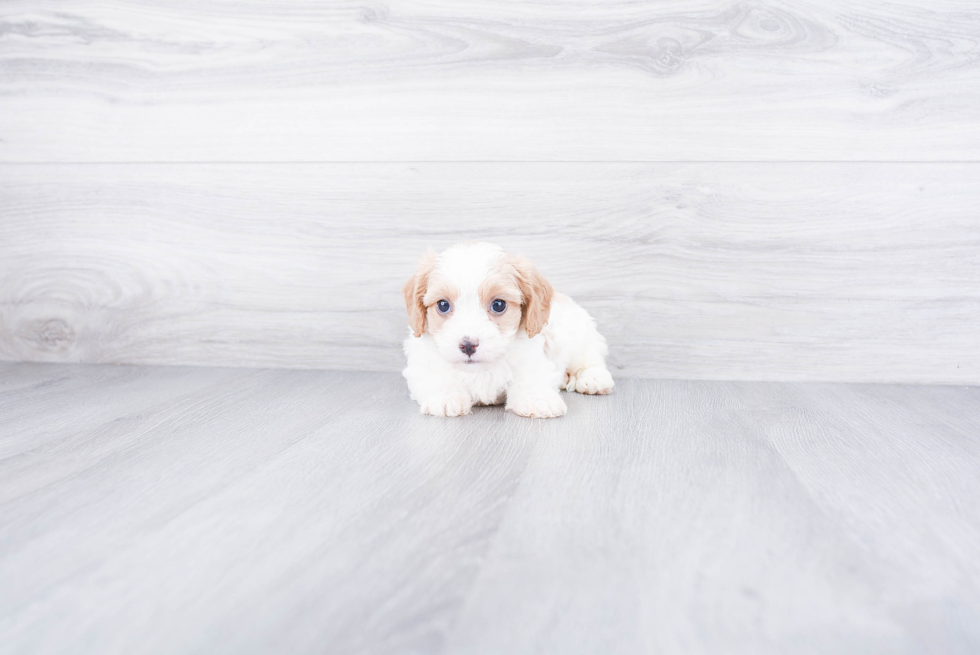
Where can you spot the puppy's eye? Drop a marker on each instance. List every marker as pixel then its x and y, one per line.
pixel 443 306
pixel 498 306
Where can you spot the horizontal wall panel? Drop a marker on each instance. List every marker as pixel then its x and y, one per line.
pixel 557 80
pixel 850 272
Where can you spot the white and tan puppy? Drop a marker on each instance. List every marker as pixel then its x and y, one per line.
pixel 486 328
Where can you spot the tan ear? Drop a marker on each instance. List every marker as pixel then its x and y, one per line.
pixel 414 291
pixel 537 293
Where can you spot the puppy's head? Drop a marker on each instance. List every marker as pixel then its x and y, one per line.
pixel 473 299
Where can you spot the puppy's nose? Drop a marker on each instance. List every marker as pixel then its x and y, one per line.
pixel 468 345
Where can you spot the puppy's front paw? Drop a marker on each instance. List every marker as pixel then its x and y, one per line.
pixel 594 380
pixel 544 403
pixel 453 404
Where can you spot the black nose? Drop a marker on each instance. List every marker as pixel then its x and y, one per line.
pixel 467 346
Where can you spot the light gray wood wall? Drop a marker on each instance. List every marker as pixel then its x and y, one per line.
pixel 817 271
pixel 769 190
pixel 555 80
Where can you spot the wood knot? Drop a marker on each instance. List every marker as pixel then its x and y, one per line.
pixel 54 335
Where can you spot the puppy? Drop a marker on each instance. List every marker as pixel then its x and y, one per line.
pixel 486 328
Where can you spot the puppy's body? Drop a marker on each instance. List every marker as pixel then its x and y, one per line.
pixel 463 351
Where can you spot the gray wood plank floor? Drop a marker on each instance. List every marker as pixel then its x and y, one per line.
pixel 200 510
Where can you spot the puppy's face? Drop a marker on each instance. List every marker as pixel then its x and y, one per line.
pixel 473 299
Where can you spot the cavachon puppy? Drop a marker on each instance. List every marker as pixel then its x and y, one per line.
pixel 487 328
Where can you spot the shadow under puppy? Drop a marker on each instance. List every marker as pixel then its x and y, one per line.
pixel 487 328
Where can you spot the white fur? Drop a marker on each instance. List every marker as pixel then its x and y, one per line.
pixel 526 373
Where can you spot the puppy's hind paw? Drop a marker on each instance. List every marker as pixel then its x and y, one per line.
pixel 454 404
pixel 594 380
pixel 538 404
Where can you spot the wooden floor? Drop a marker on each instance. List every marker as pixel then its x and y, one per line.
pixel 208 510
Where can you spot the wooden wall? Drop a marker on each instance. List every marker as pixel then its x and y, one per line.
pixel 736 190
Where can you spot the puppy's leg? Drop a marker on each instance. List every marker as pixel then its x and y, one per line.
pixel 585 349
pixel 433 384
pixel 595 380
pixel 437 398
pixel 534 389
pixel 535 401
pixel 587 372
pixel 445 403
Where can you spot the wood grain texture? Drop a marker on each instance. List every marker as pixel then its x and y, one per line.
pixel 850 272
pixel 556 80
pixel 195 510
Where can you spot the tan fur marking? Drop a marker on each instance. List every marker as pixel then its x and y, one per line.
pixel 502 283
pixel 537 293
pixel 439 289
pixel 414 291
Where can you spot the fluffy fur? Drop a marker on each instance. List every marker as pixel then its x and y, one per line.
pixel 470 354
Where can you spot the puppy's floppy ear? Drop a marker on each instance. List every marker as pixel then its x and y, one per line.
pixel 537 293
pixel 414 291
